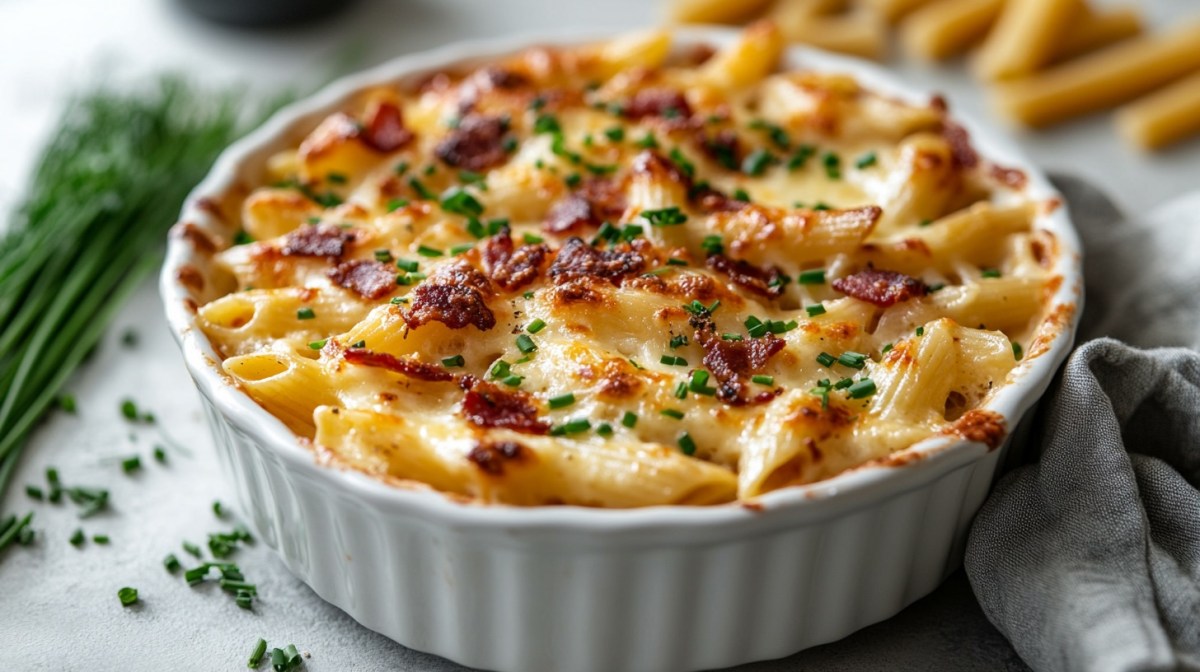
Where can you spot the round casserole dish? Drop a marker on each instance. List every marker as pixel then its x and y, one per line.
pixel 554 588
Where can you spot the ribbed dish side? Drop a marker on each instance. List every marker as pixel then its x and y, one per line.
pixel 674 607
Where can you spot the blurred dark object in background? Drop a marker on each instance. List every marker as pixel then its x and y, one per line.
pixel 264 13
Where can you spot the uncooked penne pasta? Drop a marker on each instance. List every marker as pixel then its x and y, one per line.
pixel 859 33
pixel 714 11
pixel 1103 79
pixel 1163 117
pixel 893 11
pixel 1096 30
pixel 948 27
pixel 1025 37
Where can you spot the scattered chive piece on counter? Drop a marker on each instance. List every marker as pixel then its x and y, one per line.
pixel 171 563
pixel 218 509
pixel 191 548
pixel 456 360
pixel 128 596
pixel 131 464
pixel 66 402
pixel 256 656
pixel 77 538
pixel 629 419
pixel 34 492
pixel 101 539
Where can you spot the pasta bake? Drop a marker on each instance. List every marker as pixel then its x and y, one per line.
pixel 625 275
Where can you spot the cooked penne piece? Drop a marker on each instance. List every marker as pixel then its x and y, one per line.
pixel 747 61
pixel 1096 30
pixel 1163 117
pixel 1102 79
pixel 1025 37
pixel 289 386
pixel 714 11
pixel 948 27
pixel 894 10
pixel 246 321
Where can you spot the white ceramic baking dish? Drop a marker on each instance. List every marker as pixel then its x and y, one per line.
pixel 567 588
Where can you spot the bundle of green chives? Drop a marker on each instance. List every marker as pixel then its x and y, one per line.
pixel 106 189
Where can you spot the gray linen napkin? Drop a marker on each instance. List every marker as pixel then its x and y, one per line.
pixel 1090 559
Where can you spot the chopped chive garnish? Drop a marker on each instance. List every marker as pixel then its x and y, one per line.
pixel 712 244
pixel 843 383
pixel 815 310
pixel 822 206
pixel 317 345
pixel 833 165
pixel 128 596
pixel 672 413
pixel 397 300
pixel 822 391
pixel 429 170
pixel 401 168
pixel 475 228
pixel 756 327
pixel 854 360
pixel 629 419
pixel 131 464
pixel 924 222
pixel 171 563
pixel 763 380
pixel 407 265
pixel 572 180
pixel 305 314
pixel 256 656
pixel 699 383
pixel 457 360
pixel 678 341
pixel 861 389
pixel 865 161
pixel 525 344
pixel 671 216
pixel 616 133
pixel 800 157
pixel 513 380
pixel 773 131
pixel 777 327
pixel 460 202
pixel 77 538
pixel 935 287
pixel 546 123
pixel 682 161
pixel 674 261
pixel 336 178
pixel 672 360
pixel 990 273
pixel 604 429
pixel 648 141
pixel 631 231
pixel 472 177
pixel 422 190
pixel 531 239
pixel 686 445
pixel 426 251
pixel 731 337
pixel 637 366
pixel 572 427
pixel 535 326
pixel 499 370
pixel 825 359
pixel 681 390
pixel 383 256
pixel 920 331
pixel 661 270
pixel 494 226
pixel 887 347
pixel 756 163
pixel 561 401
pixel 814 276
pixel 1018 351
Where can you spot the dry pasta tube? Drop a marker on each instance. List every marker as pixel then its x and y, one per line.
pixel 715 11
pixel 1164 117
pixel 894 10
pixel 1103 79
pixel 1097 30
pixel 948 27
pixel 859 33
pixel 1025 37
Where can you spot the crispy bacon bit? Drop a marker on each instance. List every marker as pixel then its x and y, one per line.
pixel 983 426
pixel 596 201
pixel 576 259
pixel 405 366
pixel 369 279
pixel 722 147
pixel 491 457
pixel 477 144
pixel 383 129
pixel 189 276
pixel 325 240
pixel 961 151
pixel 510 268
pixel 730 362
pixel 489 405
pixel 665 103
pixel 650 162
pixel 765 282
pixel 711 200
pixel 1013 178
pixel 882 288
pixel 455 295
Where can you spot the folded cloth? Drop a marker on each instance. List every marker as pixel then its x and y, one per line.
pixel 1090 559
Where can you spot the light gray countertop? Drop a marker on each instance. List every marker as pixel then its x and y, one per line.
pixel 61 610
